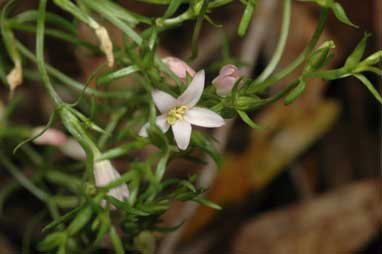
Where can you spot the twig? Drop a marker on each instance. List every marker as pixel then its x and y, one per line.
pixel 249 54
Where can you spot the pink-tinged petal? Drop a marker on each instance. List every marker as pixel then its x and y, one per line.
pixel 51 137
pixel 73 149
pixel 228 70
pixel 160 121
pixel 203 117
pixel 224 85
pixel 105 173
pixel 163 101
pixel 179 67
pixel 226 79
pixel 182 133
pixel 193 92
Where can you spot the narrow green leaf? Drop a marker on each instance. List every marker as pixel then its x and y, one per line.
pixel 340 13
pixel 61 219
pixel 203 142
pixel 116 241
pixel 161 167
pixel 82 218
pixel 207 203
pixel 107 78
pixel 295 93
pixel 248 120
pixel 172 8
pixel 369 86
pixel 52 18
pixel 247 17
pixel 52 241
pixel 355 57
pixel 122 150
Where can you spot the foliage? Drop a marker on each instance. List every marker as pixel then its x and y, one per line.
pixel 106 120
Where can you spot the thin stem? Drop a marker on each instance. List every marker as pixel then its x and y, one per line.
pixel 23 180
pixel 40 53
pixel 110 127
pixel 257 87
pixel 71 82
pixel 281 44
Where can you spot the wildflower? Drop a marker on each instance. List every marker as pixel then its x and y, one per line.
pixel 181 113
pixel 226 79
pixel 179 67
pixel 105 173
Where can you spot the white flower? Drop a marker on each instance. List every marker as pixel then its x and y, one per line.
pixel 181 113
pixel 105 173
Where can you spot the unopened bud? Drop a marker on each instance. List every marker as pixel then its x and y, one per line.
pixel 226 79
pixel 179 67
pixel 51 137
pixel 105 173
pixel 319 56
pixel 73 149
pixel 373 58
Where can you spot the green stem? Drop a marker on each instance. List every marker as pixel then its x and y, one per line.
pixel 110 127
pixel 258 87
pixel 23 180
pixel 281 44
pixel 40 53
pixel 73 83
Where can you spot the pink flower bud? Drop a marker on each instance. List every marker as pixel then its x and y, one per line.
pixel 104 174
pixel 51 137
pixel 226 79
pixel 179 67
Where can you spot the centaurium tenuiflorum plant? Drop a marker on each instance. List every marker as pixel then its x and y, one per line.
pixel 92 204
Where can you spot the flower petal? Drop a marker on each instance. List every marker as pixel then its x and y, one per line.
pixel 203 117
pixel 193 92
pixel 105 173
pixel 143 130
pixel 182 133
pixel 160 121
pixel 73 149
pixel 163 101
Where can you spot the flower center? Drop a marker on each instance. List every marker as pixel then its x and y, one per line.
pixel 176 113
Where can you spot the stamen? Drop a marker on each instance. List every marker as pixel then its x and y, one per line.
pixel 176 113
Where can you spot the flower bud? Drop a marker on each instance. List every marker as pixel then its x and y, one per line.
pixel 105 173
pixel 68 146
pixel 320 56
pixel 73 149
pixel 179 67
pixel 373 58
pixel 226 79
pixel 51 137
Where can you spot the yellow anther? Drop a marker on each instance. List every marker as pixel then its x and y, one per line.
pixel 176 113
